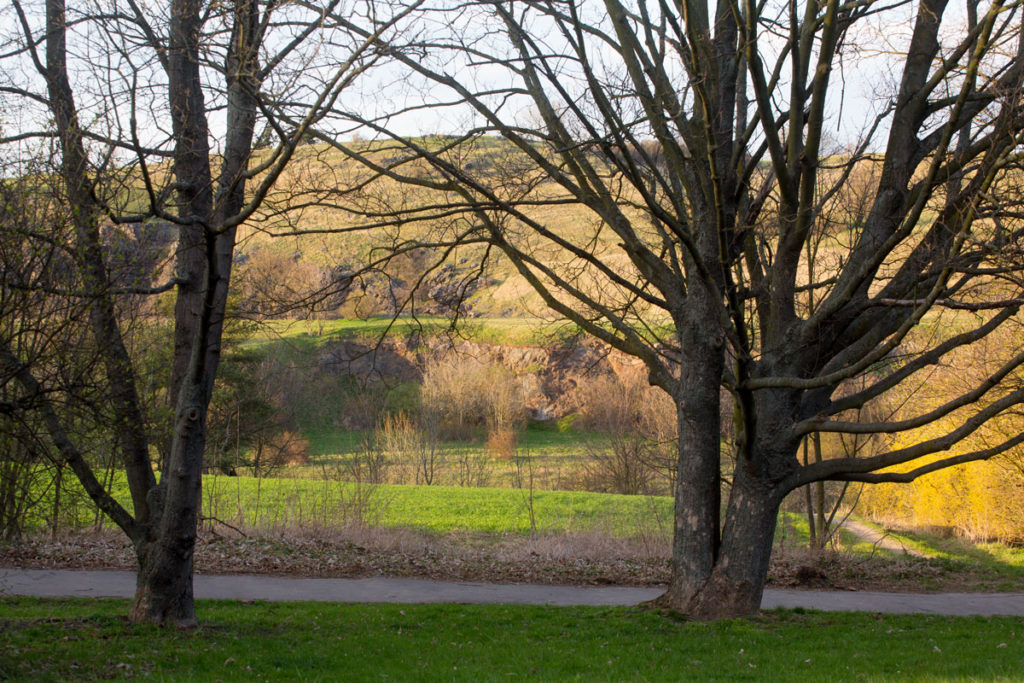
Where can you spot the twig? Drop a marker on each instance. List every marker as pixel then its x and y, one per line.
pixel 205 518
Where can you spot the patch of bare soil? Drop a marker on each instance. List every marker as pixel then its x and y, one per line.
pixel 565 559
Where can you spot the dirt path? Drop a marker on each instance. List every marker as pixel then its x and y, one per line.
pixel 879 539
pixel 64 583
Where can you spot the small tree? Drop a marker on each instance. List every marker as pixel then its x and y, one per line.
pixel 131 98
pixel 405 443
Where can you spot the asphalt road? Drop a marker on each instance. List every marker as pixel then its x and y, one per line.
pixel 96 584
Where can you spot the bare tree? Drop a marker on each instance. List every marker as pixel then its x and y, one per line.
pixel 691 140
pixel 152 112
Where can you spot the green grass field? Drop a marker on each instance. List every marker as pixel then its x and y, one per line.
pixel 538 440
pixel 48 640
pixel 280 504
pixel 286 502
pixel 555 459
pixel 304 336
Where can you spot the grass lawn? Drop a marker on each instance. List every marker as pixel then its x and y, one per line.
pixel 956 553
pixel 793 529
pixel 89 639
pixel 537 440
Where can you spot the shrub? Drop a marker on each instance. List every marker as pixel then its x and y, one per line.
pixel 501 443
pixel 462 393
pixel 471 468
pixel 370 465
pixel 624 466
pixel 415 451
pixel 279 450
pixel 638 421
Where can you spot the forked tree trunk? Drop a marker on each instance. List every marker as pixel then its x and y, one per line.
pixel 163 593
pixel 735 583
pixel 163 588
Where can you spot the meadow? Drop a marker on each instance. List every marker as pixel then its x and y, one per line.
pixel 336 413
pixel 304 336
pixel 279 504
pixel 536 490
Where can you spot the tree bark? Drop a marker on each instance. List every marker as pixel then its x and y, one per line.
pixel 163 588
pixel 733 584
pixel 736 584
pixel 698 497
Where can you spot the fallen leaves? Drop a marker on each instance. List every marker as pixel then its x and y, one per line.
pixel 559 559
pixel 504 560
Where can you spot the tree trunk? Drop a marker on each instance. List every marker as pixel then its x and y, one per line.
pixel 698 496
pixel 735 583
pixel 163 588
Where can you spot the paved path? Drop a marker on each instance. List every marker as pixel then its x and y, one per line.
pixel 62 583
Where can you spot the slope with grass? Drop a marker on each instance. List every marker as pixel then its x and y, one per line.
pixel 284 503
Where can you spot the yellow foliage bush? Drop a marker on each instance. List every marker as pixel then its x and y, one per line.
pixel 980 500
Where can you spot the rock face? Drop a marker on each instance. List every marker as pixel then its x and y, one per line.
pixel 551 375
pixel 139 254
pixel 371 363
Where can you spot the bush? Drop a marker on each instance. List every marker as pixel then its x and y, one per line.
pixel 624 466
pixel 501 443
pixel 638 421
pixel 461 394
pixel 278 450
pixel 979 500
pixel 408 447
pixel 23 483
pixel 471 468
pixel 370 465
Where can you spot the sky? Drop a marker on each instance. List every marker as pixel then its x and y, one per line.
pixel 862 85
